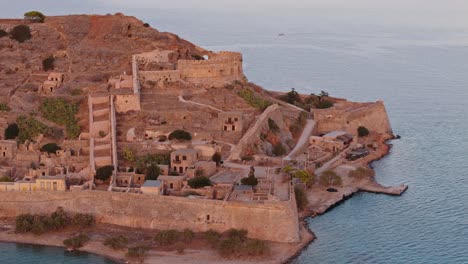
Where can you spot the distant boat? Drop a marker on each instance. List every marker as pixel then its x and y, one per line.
pixel 281 34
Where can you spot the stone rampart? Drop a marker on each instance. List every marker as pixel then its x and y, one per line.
pixel 373 116
pixel 274 221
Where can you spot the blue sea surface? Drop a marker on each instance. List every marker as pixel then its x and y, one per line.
pixel 421 73
pixel 11 253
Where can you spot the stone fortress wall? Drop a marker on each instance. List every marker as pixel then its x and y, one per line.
pixel 270 220
pixel 219 69
pixel 348 117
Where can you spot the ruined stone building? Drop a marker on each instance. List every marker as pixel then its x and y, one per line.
pixel 183 159
pixel 53 82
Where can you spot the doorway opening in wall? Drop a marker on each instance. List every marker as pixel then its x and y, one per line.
pixel 207 217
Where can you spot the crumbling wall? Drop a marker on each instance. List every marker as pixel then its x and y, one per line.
pixel 269 220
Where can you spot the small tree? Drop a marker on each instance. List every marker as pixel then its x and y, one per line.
pixel 362 131
pixel 199 182
pixel 291 97
pixel 12 131
pixel 48 63
pixel 330 178
pixel 104 173
pixel 180 135
pixel 138 252
pixel 278 149
pixel 216 158
pixel 272 125
pixel 3 33
pixel 152 172
pixel 306 177
pixel 20 33
pixel 34 16
pixel 250 180
pixel 76 241
pixel 50 148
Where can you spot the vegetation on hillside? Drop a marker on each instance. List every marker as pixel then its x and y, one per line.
pixel 253 100
pixel 216 158
pixel 4 107
pixel 20 33
pixel 3 33
pixel 301 198
pixel 48 63
pixel 63 113
pixel 29 128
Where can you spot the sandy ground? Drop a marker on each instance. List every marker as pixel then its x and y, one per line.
pixel 280 252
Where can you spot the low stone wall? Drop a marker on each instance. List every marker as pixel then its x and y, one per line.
pixel 274 221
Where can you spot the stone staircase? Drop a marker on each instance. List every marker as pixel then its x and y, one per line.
pixel 101 131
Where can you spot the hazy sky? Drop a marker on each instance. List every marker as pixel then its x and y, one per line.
pixel 400 12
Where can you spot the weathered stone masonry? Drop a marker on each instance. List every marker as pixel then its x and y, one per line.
pixel 274 221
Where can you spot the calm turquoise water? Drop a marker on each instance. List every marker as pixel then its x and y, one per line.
pixel 11 253
pixel 422 75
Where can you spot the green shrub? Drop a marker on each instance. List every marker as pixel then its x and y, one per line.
pixel 152 172
pixel 83 220
pixel 3 33
pixel 240 234
pixel 199 182
pixel 20 33
pixel 34 16
pixel 216 158
pixel 255 247
pixel 104 173
pixel 75 92
pixel 102 134
pixel 301 198
pixel 187 235
pixel 50 148
pixel 230 247
pixel 5 179
pixel 212 237
pixel 362 173
pixel 76 241
pixel 253 100
pixel 362 131
pixel 116 242
pixel 272 125
pixel 12 131
pixel 48 63
pixel 146 25
pixel 23 223
pixel 58 219
pixel 279 150
pixel 305 176
pixel 63 113
pixel 167 237
pixel 29 128
pixel 4 107
pixel 291 97
pixel 138 252
pixel 180 135
pixel 250 180
pixel 330 178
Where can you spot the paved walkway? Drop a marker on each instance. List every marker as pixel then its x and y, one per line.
pixel 303 140
pixel 181 98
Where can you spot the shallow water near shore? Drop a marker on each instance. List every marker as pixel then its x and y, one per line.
pixel 420 73
pixel 12 253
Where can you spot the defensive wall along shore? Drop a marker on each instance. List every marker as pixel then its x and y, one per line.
pixel 271 220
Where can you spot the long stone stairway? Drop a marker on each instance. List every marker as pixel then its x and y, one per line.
pixel 102 132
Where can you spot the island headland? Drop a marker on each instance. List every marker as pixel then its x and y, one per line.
pixel 136 144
